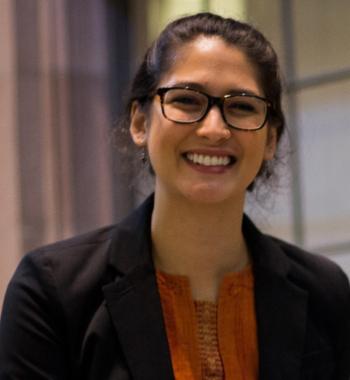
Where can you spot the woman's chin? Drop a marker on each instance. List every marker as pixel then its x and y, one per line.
pixel 210 194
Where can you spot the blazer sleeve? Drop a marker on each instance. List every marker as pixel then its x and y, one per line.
pixel 32 334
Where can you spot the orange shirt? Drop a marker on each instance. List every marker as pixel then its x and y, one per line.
pixel 210 340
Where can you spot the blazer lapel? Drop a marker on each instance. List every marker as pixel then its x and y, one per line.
pixel 133 301
pixel 134 306
pixel 281 308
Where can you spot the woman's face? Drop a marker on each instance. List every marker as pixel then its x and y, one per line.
pixel 211 65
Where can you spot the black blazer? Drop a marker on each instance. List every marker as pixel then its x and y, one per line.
pixel 89 308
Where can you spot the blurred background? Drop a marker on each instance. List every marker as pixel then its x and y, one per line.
pixel 64 69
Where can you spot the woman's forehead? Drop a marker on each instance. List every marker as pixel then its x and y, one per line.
pixel 209 60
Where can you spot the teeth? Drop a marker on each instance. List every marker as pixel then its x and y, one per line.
pixel 206 160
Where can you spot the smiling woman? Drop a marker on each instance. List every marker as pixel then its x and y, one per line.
pixel 186 287
pixel 210 63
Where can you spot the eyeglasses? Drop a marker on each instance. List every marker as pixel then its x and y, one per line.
pixel 239 111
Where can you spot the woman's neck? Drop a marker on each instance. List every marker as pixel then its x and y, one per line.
pixel 200 241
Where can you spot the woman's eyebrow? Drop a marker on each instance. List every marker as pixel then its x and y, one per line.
pixel 203 88
pixel 240 90
pixel 192 85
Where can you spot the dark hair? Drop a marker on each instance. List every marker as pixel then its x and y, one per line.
pixel 159 58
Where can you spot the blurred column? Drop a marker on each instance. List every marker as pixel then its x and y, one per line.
pixel 10 229
pixel 89 116
pixel 63 119
pixel 30 143
pixel 124 20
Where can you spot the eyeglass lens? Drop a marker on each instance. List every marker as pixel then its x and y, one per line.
pixel 186 106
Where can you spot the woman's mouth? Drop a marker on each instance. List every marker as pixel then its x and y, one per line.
pixel 210 160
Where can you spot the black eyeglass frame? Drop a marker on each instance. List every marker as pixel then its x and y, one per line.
pixel 214 100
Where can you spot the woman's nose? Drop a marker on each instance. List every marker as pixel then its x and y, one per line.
pixel 213 126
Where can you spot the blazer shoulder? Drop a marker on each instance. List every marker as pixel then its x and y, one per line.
pixel 68 270
pixel 309 261
pixel 74 271
pixel 79 249
pixel 320 275
pixel 93 237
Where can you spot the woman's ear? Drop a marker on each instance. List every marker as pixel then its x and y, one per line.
pixel 138 125
pixel 271 144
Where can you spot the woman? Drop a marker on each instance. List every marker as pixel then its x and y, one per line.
pixel 186 287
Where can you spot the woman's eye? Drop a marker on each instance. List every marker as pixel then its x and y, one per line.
pixel 185 100
pixel 242 107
